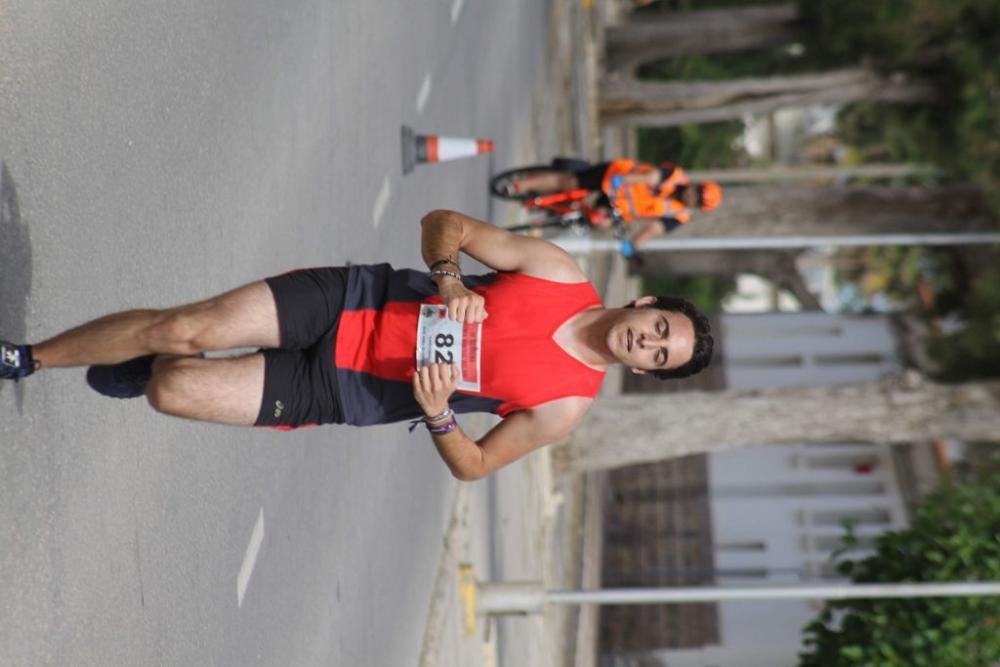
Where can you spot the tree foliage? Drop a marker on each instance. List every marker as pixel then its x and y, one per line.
pixel 703 146
pixel 974 351
pixel 705 292
pixel 951 42
pixel 954 536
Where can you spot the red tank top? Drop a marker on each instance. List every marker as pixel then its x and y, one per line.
pixel 521 365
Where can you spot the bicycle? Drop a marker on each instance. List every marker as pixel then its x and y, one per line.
pixel 568 209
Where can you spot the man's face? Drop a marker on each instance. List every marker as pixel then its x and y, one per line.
pixel 649 339
pixel 689 196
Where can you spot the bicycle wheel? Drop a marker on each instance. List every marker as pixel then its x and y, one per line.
pixel 502 185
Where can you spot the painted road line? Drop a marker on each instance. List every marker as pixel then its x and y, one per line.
pixel 456 9
pixel 381 201
pixel 425 92
pixel 250 558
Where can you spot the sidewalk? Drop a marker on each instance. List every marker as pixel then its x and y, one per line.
pixel 525 522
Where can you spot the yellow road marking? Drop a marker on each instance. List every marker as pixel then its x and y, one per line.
pixel 467 591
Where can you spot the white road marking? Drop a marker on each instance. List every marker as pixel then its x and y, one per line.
pixel 250 558
pixel 456 9
pixel 425 91
pixel 381 201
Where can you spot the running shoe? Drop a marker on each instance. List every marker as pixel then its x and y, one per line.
pixel 15 361
pixel 125 380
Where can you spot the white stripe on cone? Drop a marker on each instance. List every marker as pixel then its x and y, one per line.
pixel 439 149
pixel 450 148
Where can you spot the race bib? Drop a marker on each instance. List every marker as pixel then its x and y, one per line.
pixel 441 340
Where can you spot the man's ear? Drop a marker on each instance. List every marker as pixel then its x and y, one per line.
pixel 644 301
pixel 638 371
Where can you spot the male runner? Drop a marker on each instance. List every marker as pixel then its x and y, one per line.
pixel 343 345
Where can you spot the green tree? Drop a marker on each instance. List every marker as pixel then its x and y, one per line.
pixel 952 43
pixel 973 351
pixel 954 536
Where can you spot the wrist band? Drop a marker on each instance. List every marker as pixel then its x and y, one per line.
pixel 441 429
pixel 444 261
pixel 441 272
pixel 444 415
pixel 431 422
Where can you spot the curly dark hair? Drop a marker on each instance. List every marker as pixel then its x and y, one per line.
pixel 703 341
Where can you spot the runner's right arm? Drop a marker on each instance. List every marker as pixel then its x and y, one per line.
pixel 445 233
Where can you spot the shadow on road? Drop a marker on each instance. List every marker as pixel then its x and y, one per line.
pixel 15 268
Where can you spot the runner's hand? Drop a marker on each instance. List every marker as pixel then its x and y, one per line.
pixel 464 305
pixel 433 385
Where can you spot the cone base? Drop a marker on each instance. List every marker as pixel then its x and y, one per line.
pixel 409 149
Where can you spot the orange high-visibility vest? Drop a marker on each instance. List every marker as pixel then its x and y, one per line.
pixel 640 200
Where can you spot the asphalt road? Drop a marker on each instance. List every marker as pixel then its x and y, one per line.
pixel 155 153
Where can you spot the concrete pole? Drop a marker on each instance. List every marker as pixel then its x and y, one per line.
pixel 527 597
pixel 792 173
pixel 587 245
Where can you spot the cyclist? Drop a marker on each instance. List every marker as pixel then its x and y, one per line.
pixel 656 199
pixel 369 344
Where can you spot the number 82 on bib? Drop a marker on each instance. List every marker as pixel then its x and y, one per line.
pixel 441 340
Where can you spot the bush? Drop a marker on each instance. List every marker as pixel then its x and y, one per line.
pixel 954 536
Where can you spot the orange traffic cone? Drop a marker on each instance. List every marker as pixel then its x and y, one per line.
pixel 427 148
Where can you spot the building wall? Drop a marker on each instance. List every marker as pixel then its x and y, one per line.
pixel 805 349
pixel 657 532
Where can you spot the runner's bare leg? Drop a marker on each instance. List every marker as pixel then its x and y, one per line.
pixel 224 391
pixel 244 317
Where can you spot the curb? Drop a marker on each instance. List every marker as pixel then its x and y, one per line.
pixel 430 649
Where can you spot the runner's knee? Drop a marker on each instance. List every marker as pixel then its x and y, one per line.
pixel 165 391
pixel 178 332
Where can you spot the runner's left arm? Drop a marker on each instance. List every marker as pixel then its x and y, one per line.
pixel 527 430
pixel 518 434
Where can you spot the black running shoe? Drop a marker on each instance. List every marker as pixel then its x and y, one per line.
pixel 125 380
pixel 15 361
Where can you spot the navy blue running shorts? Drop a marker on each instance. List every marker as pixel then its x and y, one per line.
pixel 300 382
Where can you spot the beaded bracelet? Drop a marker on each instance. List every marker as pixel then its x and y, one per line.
pixel 442 272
